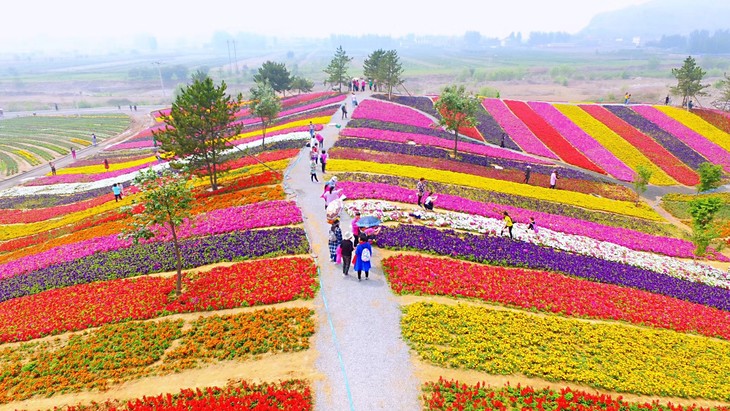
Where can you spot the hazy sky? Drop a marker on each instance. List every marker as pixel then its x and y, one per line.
pixel 24 20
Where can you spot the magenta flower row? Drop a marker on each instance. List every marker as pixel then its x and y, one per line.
pixel 516 129
pixel 393 113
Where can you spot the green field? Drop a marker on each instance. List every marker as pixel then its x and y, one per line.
pixel 37 139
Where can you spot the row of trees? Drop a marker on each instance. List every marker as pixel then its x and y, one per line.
pixel 384 67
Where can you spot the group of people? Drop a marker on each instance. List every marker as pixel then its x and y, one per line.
pixel 509 224
pixel 317 154
pixel 553 177
pixel 360 84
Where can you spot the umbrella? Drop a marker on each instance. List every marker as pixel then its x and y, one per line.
pixel 368 221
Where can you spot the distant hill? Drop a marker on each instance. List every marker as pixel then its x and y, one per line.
pixel 651 20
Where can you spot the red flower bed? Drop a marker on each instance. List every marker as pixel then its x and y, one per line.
pixel 552 139
pixel 90 305
pixel 263 179
pixel 472 132
pixel 552 292
pixel 250 161
pixel 453 395
pixel 650 148
pixel 293 395
pixel 717 118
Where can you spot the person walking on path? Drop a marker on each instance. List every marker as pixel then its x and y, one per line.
pixel 527 174
pixel 421 189
pixel 501 143
pixel 320 141
pixel 363 254
pixel 344 112
pixel 428 204
pixel 323 160
pixel 331 195
pixel 53 168
pixel 313 171
pixel 507 224
pixel 355 227
pixel 93 139
pixel 73 153
pixel 314 154
pixel 106 164
pixel 311 129
pixel 335 239
pixel 346 249
pixel 354 101
pixel 117 190
pixel 553 178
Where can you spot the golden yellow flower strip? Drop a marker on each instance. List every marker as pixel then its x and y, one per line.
pixel 507 187
pixel 298 123
pixel 699 125
pixel 614 143
pixel 606 355
pixel 99 168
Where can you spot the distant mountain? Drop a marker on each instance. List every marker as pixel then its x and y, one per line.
pixel 651 20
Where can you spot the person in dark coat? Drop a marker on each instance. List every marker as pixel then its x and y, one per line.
pixel 335 238
pixel 346 248
pixel 527 174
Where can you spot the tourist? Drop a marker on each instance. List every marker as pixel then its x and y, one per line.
pixel 355 227
pixel 320 141
pixel 53 168
pixel 690 105
pixel 627 97
pixel 428 204
pixel 362 85
pixel 553 178
pixel 314 155
pixel 344 112
pixel 666 100
pixel 335 238
pixel 106 164
pixel 332 183
pixel 532 226
pixel 158 157
pixel 501 143
pixel 527 174
pixel 93 139
pixel 313 172
pixel 331 195
pixel 421 189
pixel 363 253
pixel 507 224
pixel 346 249
pixel 354 101
pixel 371 233
pixel 311 129
pixel 73 153
pixel 323 160
pixel 370 84
pixel 117 190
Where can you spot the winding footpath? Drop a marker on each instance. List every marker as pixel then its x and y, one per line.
pixel 364 362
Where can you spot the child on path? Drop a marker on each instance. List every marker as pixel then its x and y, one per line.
pixel 335 238
pixel 346 249
pixel 428 204
pixel 363 254
pixel 421 189
pixel 313 172
pixel 344 112
pixel 323 160
pixel 117 190
pixel 553 178
pixel 507 224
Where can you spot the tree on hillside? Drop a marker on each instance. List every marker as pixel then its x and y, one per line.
pixel 725 87
pixel 689 81
pixel 710 176
pixel 265 105
pixel 167 201
pixel 371 67
pixel 276 75
pixel 337 69
pixel 198 129
pixel 703 212
pixel 391 71
pixel 457 110
pixel 301 84
pixel 643 175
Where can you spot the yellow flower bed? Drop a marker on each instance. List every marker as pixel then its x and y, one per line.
pixel 84 143
pixel 609 355
pixel 699 125
pixel 11 231
pixel 30 158
pixel 622 149
pixel 298 123
pixel 99 169
pixel 507 187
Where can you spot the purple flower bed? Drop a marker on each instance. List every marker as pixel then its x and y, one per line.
pixel 492 131
pixel 49 200
pixel 157 257
pixel 505 252
pixel 516 128
pixel 583 142
pixel 433 152
pixel 420 103
pixel 696 141
pixel 668 141
pixel 634 240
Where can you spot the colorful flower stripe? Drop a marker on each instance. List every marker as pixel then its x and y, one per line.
pixel 300 99
pixel 393 113
pixel 699 125
pixel 258 215
pixel 465 166
pixel 662 362
pixel 131 145
pixel 519 133
pixel 329 104
pixel 717 118
pixel 697 142
pixel 265 157
pixel 658 154
pixel 287 395
pixel 254 135
pixel 284 128
pixel 425 140
pixel 117 158
pixel 624 151
pixel 452 395
pixel 506 252
pixel 471 132
pixel 583 142
pixel 551 292
pixel 550 137
pixel 634 240
pixel 675 146
pixel 13 216
pixel 92 305
pixel 157 257
pixel 85 178
pixel 571 198
pixel 420 103
pixel 99 168
pixel 480 160
pixel 128 351
pixel 492 131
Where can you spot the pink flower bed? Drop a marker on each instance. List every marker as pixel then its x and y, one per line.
pixel 583 142
pixel 393 113
pixel 296 110
pixel 695 141
pixel 258 215
pixel 516 129
pixel 317 127
pixel 634 240
pixel 420 139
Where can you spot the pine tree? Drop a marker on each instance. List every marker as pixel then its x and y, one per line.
pixel 337 69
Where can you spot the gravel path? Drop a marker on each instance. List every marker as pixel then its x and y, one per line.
pixel 364 362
